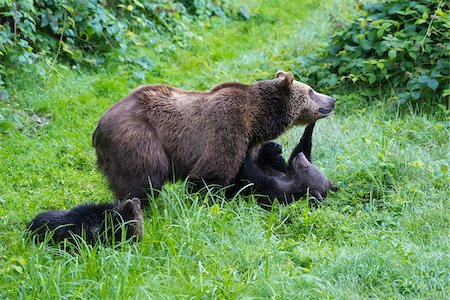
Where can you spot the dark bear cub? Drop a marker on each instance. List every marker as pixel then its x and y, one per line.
pixel 103 223
pixel 273 178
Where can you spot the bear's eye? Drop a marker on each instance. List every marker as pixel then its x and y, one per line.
pixel 311 92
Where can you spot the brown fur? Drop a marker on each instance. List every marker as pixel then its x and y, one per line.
pixel 160 132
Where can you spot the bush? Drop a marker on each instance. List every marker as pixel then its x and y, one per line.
pixel 86 31
pixel 397 45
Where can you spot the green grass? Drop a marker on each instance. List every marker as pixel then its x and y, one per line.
pixel 384 234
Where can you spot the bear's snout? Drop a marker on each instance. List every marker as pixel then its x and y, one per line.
pixel 326 105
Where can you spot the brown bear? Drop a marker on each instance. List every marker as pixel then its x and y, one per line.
pixel 93 222
pixel 160 133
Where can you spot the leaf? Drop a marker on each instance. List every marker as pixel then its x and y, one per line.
pixel 365 44
pixel 444 168
pixel 394 9
pixel 139 4
pixel 94 28
pixel 17 268
pixel 4 94
pixel 423 78
pixel 380 33
pixel 446 112
pixel 440 13
pixel 413 55
pixel 432 84
pixel 446 93
pixel 416 94
pixel 392 53
pixel 342 70
pixel 403 97
pixel 419 21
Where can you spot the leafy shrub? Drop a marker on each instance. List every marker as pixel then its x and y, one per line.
pixel 84 31
pixel 397 45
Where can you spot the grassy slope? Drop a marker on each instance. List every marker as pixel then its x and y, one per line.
pixel 385 233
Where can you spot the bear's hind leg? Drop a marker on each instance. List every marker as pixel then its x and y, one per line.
pixel 135 164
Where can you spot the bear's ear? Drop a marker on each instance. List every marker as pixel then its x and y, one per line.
pixel 280 73
pixel 288 77
pixel 129 208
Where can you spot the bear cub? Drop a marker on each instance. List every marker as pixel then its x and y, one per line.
pixel 93 222
pixel 273 178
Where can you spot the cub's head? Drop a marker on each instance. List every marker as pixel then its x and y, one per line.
pixel 307 176
pixel 306 104
pixel 131 212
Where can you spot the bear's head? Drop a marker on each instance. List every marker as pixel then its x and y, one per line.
pixel 306 104
pixel 308 176
pixel 131 212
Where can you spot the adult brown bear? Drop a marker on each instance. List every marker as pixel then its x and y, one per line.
pixel 160 133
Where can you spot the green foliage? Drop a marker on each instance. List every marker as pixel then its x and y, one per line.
pixel 86 31
pixel 384 234
pixel 399 45
pixel 205 7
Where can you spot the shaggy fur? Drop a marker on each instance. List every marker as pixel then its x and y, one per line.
pixel 159 133
pixel 93 222
pixel 272 178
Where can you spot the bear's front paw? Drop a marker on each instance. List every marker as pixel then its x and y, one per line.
pixel 271 148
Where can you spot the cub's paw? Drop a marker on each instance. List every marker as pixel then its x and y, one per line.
pixel 271 148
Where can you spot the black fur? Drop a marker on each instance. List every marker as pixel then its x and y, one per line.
pixel 93 222
pixel 269 158
pixel 305 144
pixel 271 178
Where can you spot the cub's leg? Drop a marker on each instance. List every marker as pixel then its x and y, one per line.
pixel 305 144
